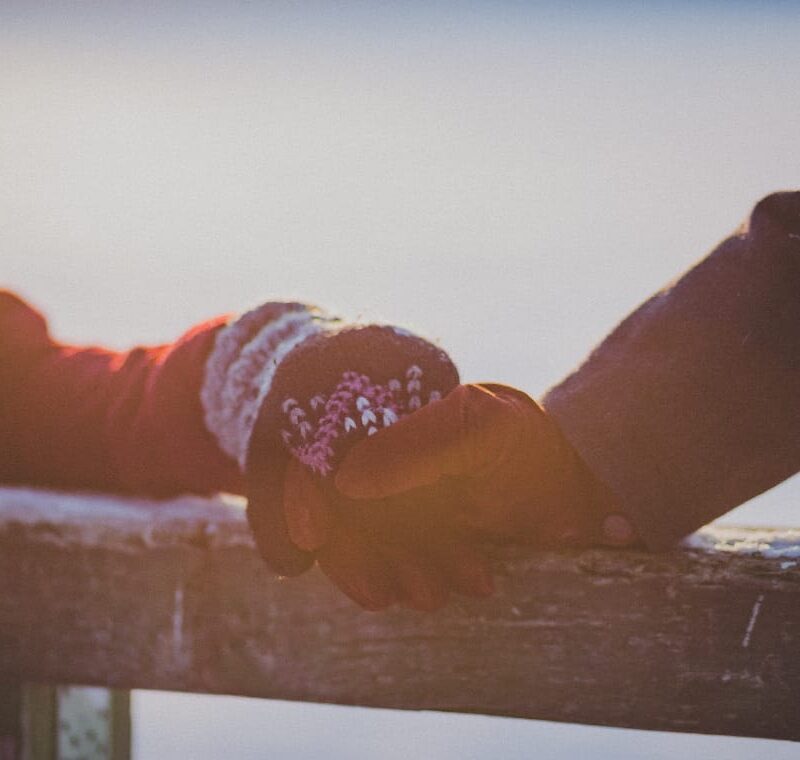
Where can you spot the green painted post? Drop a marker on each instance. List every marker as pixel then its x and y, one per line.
pixel 120 725
pixel 39 721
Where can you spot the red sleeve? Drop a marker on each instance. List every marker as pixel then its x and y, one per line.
pixel 94 418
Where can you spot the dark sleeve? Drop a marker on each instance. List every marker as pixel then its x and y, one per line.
pixel 78 417
pixel 691 406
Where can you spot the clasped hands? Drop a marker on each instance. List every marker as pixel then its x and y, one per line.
pixel 403 517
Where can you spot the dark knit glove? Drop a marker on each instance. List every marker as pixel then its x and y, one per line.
pixel 289 393
pixel 500 455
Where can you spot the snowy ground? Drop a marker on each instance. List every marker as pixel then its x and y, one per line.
pixel 509 178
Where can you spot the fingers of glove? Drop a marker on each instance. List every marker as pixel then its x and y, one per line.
pixel 490 513
pixel 618 530
pixel 465 567
pixel 309 514
pixel 541 491
pixel 570 508
pixel 463 433
pixel 359 571
pixel 422 585
pixel 265 492
pixel 596 515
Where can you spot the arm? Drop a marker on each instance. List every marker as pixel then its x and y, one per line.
pixel 166 419
pixel 80 417
pixel 265 404
pixel 691 406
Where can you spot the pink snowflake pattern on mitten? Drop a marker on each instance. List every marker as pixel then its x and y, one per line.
pixel 320 431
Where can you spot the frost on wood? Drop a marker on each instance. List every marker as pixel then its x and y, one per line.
pixel 171 595
pixel 761 542
pixel 92 519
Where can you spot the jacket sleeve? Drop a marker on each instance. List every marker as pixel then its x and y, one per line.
pixel 93 418
pixel 691 406
pixel 179 417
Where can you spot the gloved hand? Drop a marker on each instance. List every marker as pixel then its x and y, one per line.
pixel 497 453
pixel 294 398
pixel 329 392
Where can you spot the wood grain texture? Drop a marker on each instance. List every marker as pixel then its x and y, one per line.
pixel 135 594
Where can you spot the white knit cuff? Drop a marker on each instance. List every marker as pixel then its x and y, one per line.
pixel 241 367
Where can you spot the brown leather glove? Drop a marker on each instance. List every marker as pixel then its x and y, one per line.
pixel 497 453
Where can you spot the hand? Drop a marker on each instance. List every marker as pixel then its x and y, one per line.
pixel 496 451
pixel 408 548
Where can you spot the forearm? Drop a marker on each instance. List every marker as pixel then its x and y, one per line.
pixel 93 418
pixel 691 405
pixel 179 417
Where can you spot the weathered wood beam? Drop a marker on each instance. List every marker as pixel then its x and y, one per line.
pixel 128 594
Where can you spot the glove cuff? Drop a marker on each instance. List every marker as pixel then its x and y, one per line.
pixel 242 364
pixel 313 384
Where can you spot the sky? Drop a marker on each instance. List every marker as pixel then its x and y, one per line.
pixel 509 179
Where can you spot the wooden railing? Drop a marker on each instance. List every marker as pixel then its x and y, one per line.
pixel 131 594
